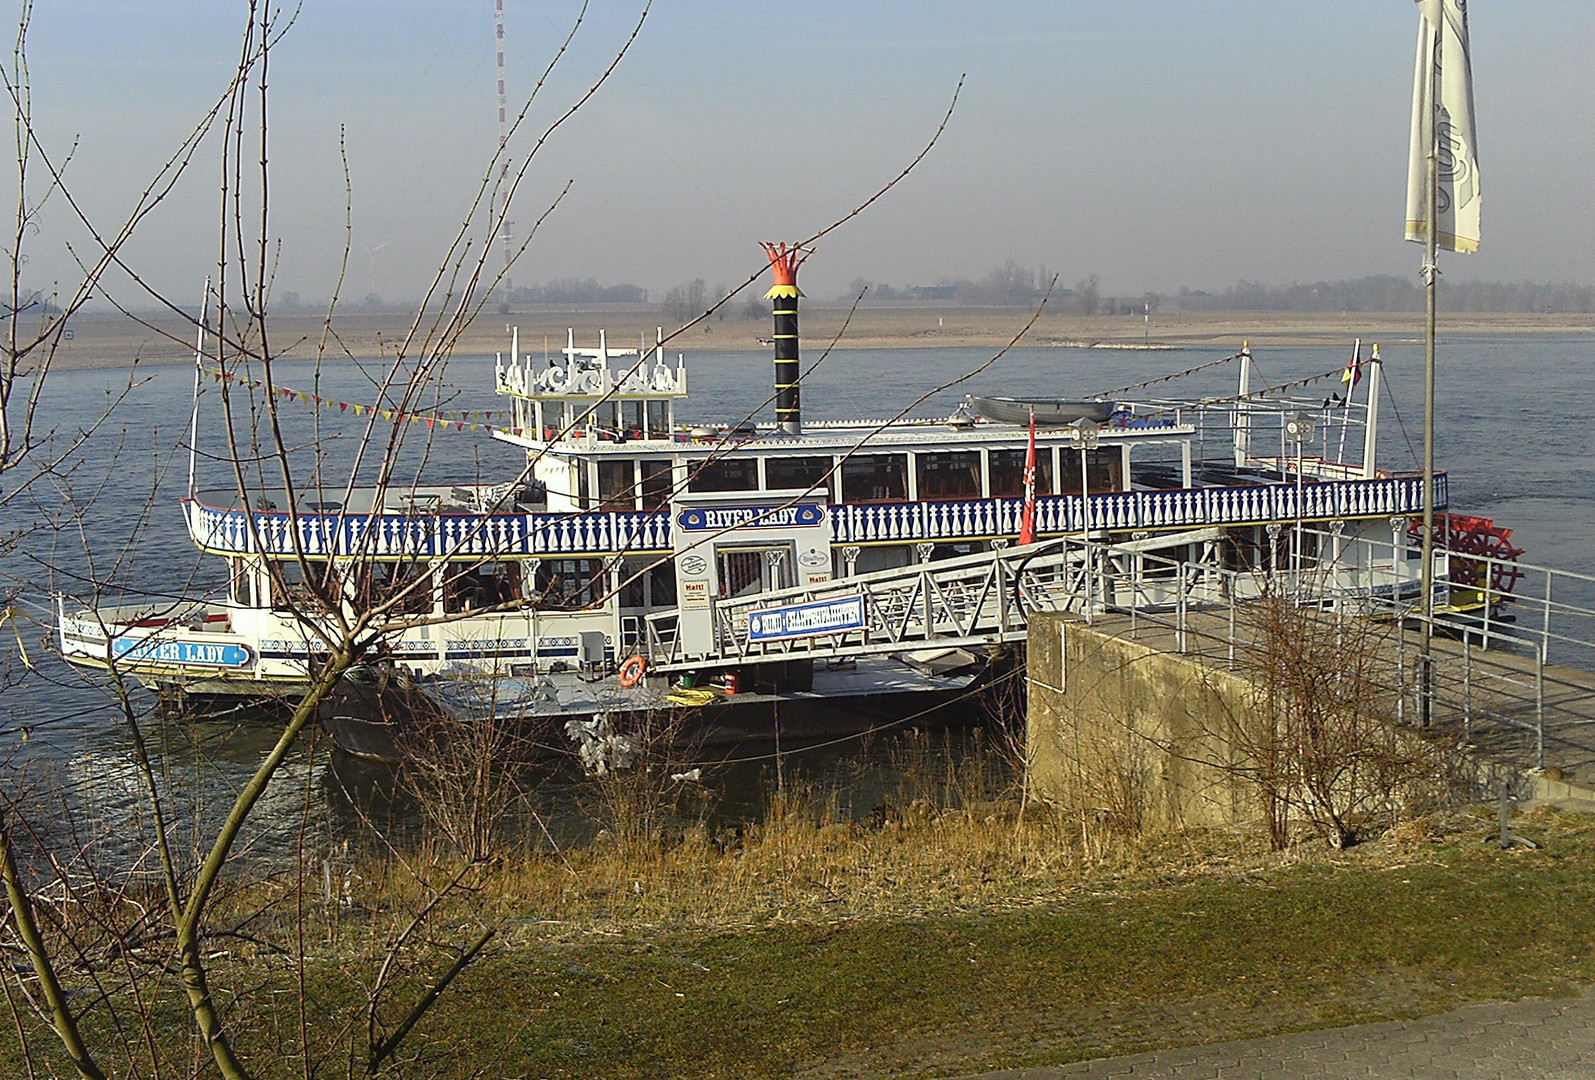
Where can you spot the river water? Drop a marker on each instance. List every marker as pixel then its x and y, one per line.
pixel 1516 434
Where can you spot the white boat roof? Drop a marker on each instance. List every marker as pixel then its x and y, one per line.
pixel 829 436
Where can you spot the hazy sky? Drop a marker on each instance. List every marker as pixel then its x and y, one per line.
pixel 1155 143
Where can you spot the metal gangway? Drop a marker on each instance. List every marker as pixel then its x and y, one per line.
pixel 974 600
pixel 1512 666
pixel 986 599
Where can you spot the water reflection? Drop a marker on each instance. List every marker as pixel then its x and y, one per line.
pixel 94 801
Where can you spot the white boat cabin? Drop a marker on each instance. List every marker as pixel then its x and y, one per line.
pixel 624 511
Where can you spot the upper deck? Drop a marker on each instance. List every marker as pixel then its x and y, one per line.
pixel 606 461
pixel 443 529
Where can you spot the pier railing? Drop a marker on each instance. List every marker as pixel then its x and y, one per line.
pixel 1508 654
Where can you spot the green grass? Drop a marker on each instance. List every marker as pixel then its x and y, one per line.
pixel 1168 954
pixel 1291 947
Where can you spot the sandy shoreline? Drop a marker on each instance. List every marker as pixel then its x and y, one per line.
pixel 113 340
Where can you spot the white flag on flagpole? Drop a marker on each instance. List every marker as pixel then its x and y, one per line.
pixel 1458 202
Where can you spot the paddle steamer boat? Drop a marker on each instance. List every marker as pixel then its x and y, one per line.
pixel 627 521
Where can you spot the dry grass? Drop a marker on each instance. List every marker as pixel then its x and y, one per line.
pixel 950 932
pixel 961 852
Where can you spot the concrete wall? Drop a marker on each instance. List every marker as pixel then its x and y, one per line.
pixel 1131 734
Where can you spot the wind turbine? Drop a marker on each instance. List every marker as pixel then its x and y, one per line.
pixel 371 263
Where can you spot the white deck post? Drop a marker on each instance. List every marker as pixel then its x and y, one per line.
pixel 1370 434
pixel 1243 420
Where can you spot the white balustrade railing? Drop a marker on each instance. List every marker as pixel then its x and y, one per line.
pixel 426 535
pixel 443 534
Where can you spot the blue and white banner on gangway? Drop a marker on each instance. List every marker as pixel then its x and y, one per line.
pixel 837 615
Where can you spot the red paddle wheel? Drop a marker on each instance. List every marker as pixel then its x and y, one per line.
pixel 1482 539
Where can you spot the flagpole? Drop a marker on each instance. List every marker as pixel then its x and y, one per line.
pixel 199 368
pixel 1431 273
pixel 1351 381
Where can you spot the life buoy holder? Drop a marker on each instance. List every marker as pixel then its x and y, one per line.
pixel 632 671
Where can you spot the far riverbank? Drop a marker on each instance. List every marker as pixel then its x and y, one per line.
pixel 114 340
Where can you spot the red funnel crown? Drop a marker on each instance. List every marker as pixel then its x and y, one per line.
pixel 784 263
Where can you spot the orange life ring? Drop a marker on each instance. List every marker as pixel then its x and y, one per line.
pixel 631 672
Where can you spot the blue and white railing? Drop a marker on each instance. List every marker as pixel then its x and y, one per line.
pixel 447 534
pixel 425 535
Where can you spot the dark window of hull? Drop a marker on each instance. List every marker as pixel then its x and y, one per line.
pixel 407 584
pixel 617 485
pixel 1106 469
pixel 484 585
pixel 568 584
pixel 952 474
pixel 875 478
pixel 726 474
pixel 1008 472
pixel 798 474
pixel 658 485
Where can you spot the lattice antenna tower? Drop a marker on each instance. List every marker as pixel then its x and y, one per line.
pixel 504 231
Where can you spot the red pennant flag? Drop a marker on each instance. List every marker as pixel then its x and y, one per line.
pixel 1027 523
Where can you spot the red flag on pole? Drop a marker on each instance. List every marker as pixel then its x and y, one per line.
pixel 1027 523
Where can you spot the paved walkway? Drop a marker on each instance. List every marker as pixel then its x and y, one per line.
pixel 1527 1040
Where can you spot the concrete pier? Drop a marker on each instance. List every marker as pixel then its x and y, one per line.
pixel 1159 722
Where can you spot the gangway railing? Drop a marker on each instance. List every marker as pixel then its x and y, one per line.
pixel 973 600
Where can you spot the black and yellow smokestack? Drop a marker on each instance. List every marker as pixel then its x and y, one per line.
pixel 784 263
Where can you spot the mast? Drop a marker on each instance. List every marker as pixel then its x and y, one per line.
pixel 495 206
pixel 1442 193
pixel 1243 416
pixel 1370 434
pixel 1431 272
pixel 199 361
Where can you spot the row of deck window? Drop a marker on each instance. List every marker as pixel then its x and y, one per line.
pixel 647 484
pixel 415 588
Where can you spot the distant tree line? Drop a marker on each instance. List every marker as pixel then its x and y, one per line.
pixel 578 291
pixel 1386 292
pixel 1009 285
